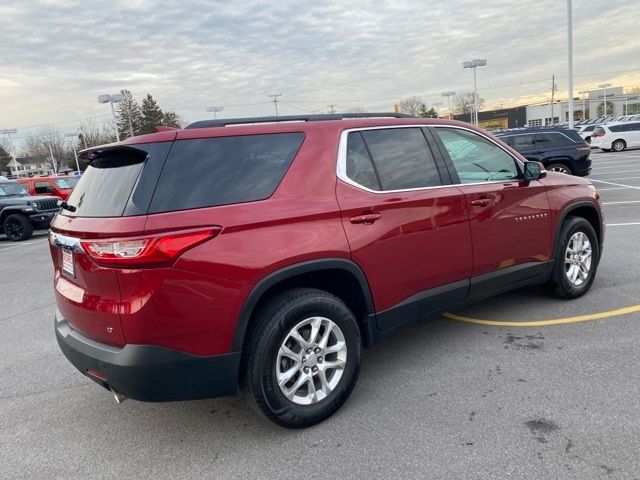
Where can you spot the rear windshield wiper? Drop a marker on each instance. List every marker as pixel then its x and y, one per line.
pixel 64 205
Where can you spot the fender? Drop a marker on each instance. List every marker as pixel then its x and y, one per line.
pixel 568 209
pixel 292 271
pixel 4 211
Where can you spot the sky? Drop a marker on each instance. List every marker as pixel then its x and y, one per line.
pixel 56 57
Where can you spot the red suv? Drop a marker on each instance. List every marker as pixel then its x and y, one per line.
pixel 266 252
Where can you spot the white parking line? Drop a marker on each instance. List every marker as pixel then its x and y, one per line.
pixel 616 178
pixel 616 173
pixel 612 188
pixel 622 224
pixel 21 245
pixel 616 184
pixel 620 203
pixel 617 166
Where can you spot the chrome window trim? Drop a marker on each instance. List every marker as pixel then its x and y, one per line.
pixel 341 165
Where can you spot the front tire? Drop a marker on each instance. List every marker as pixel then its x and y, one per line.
pixel 302 357
pixel 17 227
pixel 576 259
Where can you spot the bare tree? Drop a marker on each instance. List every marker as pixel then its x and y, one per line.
pixel 411 105
pixel 92 134
pixel 463 103
pixel 47 142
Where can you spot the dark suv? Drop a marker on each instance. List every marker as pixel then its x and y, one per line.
pixel 21 214
pixel 266 253
pixel 558 149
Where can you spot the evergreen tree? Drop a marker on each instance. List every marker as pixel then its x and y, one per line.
pixel 171 119
pixel 128 116
pixel 152 115
pixel 427 112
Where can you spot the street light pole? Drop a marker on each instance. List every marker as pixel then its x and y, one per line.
pixel 115 98
pixel 570 59
pixel 448 95
pixel 604 87
pixel 75 151
pixel 215 110
pixel 478 62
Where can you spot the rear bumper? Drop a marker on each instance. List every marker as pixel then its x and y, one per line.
pixel 147 372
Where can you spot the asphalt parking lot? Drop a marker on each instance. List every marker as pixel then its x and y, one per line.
pixel 444 399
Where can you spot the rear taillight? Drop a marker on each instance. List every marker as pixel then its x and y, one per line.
pixel 584 148
pixel 598 133
pixel 145 251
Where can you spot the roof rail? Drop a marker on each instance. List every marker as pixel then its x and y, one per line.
pixel 223 122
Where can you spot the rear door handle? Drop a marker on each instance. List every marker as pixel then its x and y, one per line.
pixel 480 202
pixel 367 219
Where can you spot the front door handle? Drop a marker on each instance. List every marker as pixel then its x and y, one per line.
pixel 480 202
pixel 366 219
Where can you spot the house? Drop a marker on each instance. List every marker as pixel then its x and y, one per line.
pixel 30 167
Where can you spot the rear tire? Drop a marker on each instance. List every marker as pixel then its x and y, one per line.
pixel 17 227
pixel 324 374
pixel 560 168
pixel 576 259
pixel 618 145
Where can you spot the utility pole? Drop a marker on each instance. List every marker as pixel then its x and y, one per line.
pixel 275 101
pixel 332 108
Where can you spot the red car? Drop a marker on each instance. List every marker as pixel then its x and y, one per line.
pixel 60 186
pixel 266 252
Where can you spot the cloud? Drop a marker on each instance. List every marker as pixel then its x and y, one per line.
pixel 56 57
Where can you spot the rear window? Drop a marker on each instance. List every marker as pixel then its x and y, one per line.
pixel 219 171
pixel 119 182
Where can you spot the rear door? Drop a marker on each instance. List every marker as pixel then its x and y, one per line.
pixel 509 217
pixel 406 225
pixel 632 134
pixel 110 200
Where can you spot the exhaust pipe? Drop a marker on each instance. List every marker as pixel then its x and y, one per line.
pixel 117 395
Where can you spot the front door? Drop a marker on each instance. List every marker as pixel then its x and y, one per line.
pixel 407 231
pixel 510 218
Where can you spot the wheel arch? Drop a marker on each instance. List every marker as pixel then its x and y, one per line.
pixel 339 276
pixel 587 210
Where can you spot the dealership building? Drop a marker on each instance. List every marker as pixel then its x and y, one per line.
pixel 590 104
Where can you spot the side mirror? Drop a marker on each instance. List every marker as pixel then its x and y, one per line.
pixel 534 171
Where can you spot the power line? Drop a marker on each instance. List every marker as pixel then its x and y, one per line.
pixel 275 101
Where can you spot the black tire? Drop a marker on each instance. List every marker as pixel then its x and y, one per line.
pixel 605 149
pixel 271 326
pixel 618 146
pixel 559 167
pixel 559 284
pixel 17 227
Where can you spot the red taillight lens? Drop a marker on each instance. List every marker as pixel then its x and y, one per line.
pixel 146 251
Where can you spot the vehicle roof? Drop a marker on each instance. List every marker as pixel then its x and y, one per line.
pixel 46 177
pixel 265 125
pixel 528 130
pixel 613 124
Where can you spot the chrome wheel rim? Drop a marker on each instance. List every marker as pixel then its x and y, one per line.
pixel 311 361
pixel 577 259
pixel 618 146
pixel 559 170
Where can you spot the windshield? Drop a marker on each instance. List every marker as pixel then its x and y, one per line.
pixel 10 188
pixel 66 183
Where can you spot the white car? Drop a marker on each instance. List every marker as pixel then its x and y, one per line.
pixel 616 136
pixel 585 132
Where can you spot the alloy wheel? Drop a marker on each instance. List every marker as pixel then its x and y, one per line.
pixel 559 169
pixel 311 361
pixel 577 259
pixel 13 229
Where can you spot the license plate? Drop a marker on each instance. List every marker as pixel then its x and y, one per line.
pixel 68 266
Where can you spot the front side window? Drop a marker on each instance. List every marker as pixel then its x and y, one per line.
pixel 43 187
pixel 475 158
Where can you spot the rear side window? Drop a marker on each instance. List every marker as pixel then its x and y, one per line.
pixel 521 141
pixel 402 158
pixel 360 168
pixel 43 187
pixel 549 140
pixel 219 171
